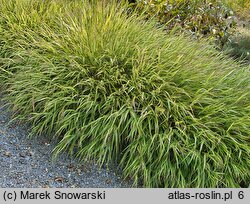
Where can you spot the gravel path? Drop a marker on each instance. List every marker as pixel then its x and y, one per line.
pixel 27 162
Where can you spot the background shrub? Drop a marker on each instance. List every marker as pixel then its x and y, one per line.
pixel 171 112
pixel 242 7
pixel 240 45
pixel 200 18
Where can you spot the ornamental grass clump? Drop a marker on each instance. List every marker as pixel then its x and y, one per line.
pixel 169 111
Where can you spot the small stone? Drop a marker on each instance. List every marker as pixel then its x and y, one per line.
pixel 22 161
pixel 30 153
pixel 7 154
pixel 21 154
pixel 59 179
pixel 108 181
pixel 70 167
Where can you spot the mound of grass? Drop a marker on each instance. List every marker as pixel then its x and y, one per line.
pixel 169 111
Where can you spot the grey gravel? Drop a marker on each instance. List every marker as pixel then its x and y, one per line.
pixel 27 163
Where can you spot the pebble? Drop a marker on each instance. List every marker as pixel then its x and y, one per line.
pixel 7 154
pixel 21 154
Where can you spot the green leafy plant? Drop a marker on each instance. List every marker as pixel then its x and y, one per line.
pixel 171 112
pixel 200 18
pixel 239 45
pixel 242 7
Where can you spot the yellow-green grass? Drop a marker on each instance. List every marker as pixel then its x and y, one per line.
pixel 171 112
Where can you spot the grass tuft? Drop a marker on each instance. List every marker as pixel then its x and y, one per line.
pixel 170 111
